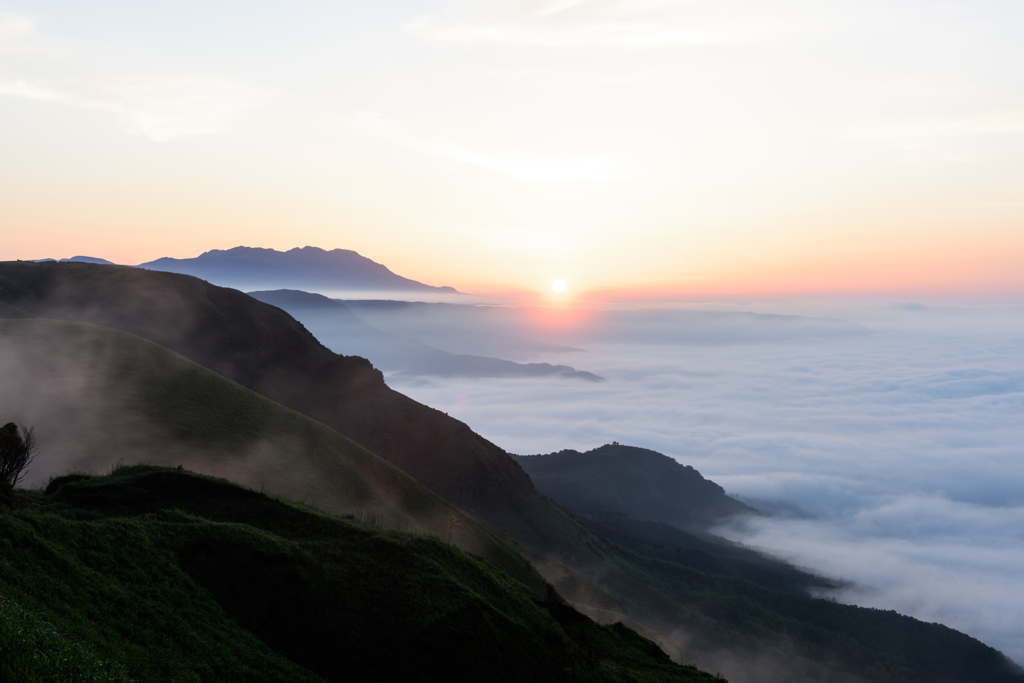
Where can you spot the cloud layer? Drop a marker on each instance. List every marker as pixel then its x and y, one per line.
pixel 894 460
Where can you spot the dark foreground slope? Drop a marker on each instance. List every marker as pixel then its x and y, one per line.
pixel 161 574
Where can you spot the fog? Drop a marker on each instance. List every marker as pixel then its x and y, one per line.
pixel 893 459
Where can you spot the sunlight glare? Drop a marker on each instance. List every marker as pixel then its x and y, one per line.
pixel 558 285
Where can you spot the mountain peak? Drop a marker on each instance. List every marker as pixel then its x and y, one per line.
pixel 308 267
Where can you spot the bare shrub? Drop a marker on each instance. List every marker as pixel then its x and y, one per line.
pixel 453 523
pixel 17 450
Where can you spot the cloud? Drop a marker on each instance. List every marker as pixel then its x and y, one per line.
pixel 609 24
pixel 621 34
pixel 160 109
pixel 983 123
pixel 542 169
pixel 539 169
pixel 13 29
pixel 498 238
pixel 898 454
pixel 923 554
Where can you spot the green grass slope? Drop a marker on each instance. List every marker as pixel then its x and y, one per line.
pixel 159 574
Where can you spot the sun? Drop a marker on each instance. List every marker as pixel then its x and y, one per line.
pixel 558 285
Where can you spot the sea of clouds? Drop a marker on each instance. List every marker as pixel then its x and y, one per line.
pixel 894 460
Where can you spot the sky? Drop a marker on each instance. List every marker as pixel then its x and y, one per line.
pixel 629 147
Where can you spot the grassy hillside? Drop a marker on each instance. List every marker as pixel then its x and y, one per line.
pixel 160 574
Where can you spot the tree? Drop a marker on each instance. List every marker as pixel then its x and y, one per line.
pixel 17 450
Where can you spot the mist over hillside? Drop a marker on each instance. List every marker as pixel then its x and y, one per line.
pixel 523 331
pixel 341 330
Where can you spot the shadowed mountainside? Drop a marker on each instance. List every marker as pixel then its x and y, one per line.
pixel 634 481
pixel 240 585
pixel 264 349
pixel 106 396
pixel 299 268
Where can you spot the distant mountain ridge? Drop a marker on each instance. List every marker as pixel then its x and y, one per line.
pixel 299 268
pixel 78 259
pixel 342 330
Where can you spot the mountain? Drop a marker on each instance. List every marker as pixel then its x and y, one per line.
pixel 300 268
pixel 722 622
pixel 264 349
pixel 334 324
pixel 159 574
pixel 79 259
pixel 634 481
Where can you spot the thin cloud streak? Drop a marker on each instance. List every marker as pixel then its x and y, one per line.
pixel 613 35
pixel 606 24
pixel 159 109
pixel 13 28
pixel 984 123
pixel 538 169
pixel 538 240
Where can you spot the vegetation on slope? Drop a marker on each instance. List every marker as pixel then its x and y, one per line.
pixel 162 574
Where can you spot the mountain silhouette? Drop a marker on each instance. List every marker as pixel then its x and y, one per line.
pixel 249 268
pixel 334 324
